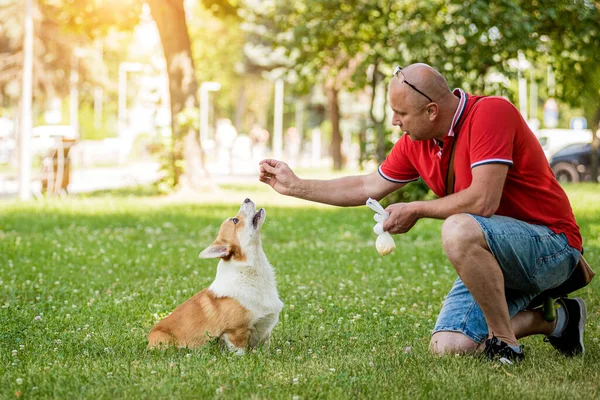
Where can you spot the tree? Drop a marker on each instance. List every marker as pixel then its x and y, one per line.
pixel 61 27
pixel 570 38
pixel 186 151
pixel 315 58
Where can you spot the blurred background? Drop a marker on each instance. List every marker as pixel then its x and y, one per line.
pixel 181 94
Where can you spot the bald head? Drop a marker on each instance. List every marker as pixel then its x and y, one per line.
pixel 413 112
pixel 426 79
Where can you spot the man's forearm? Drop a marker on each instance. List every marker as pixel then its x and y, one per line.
pixel 465 201
pixel 345 192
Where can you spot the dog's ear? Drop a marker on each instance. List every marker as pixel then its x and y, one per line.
pixel 215 251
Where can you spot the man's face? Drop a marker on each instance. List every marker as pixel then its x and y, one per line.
pixel 410 112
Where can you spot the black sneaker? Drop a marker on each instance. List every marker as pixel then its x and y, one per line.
pixel 570 343
pixel 497 349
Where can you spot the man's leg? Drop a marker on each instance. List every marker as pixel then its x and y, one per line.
pixel 467 250
pixel 531 322
pixel 531 259
pixel 525 323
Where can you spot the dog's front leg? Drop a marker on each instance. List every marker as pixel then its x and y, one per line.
pixel 236 341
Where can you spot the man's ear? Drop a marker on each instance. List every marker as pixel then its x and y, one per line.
pixel 215 251
pixel 432 111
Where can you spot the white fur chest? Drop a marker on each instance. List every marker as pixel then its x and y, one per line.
pixel 253 286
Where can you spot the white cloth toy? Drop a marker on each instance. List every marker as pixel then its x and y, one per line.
pixel 385 243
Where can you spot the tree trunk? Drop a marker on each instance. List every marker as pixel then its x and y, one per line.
pixel 595 125
pixel 336 137
pixel 379 124
pixel 169 16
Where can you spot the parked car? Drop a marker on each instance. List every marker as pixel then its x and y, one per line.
pixel 573 163
pixel 553 140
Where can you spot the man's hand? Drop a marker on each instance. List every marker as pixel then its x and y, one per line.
pixel 403 216
pixel 278 175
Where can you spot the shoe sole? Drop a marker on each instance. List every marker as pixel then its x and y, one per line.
pixel 582 321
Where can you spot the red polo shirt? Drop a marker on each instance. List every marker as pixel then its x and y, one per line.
pixel 490 130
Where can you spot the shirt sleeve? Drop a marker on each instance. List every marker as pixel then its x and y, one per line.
pixel 397 166
pixel 492 134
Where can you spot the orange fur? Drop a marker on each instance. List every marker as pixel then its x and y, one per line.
pixel 227 237
pixel 201 318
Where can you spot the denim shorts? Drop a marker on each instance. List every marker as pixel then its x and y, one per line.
pixel 532 257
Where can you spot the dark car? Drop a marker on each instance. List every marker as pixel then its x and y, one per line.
pixel 573 163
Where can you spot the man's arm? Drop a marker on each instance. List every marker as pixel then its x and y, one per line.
pixel 482 197
pixel 346 191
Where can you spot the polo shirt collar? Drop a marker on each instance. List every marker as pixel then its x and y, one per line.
pixel 462 105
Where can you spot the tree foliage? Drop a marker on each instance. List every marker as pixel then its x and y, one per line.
pixel 472 42
pixel 60 26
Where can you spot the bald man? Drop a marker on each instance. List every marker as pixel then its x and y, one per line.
pixel 509 229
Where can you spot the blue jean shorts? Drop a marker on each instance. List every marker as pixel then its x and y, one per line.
pixel 532 257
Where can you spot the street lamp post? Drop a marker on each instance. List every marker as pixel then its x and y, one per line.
pixel 26 115
pixel 278 120
pixel 206 87
pixel 523 65
pixel 74 91
pixel 124 68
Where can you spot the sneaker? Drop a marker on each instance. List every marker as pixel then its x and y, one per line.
pixel 497 349
pixel 570 342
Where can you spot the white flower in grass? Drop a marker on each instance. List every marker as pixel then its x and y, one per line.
pixel 38 318
pixel 19 381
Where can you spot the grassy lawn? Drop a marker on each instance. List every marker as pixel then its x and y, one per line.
pixel 82 280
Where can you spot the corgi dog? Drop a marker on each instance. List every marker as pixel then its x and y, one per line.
pixel 241 307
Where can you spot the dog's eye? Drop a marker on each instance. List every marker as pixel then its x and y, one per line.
pixel 235 220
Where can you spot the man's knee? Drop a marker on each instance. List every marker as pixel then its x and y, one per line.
pixel 451 342
pixel 459 233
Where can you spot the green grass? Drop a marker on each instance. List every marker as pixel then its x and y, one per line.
pixel 82 280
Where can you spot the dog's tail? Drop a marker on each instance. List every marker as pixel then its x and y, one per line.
pixel 159 338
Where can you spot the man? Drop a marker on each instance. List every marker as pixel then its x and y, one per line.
pixel 509 229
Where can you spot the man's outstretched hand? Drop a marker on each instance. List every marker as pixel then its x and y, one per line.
pixel 278 175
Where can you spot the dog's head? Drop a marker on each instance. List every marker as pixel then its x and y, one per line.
pixel 237 234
